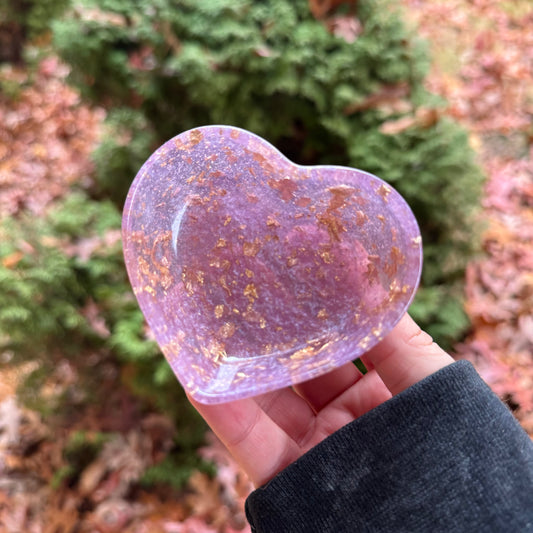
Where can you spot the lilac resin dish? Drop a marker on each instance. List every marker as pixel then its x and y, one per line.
pixel 255 273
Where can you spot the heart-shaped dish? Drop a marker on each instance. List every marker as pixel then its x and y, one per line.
pixel 255 273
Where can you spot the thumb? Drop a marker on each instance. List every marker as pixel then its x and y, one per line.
pixel 405 356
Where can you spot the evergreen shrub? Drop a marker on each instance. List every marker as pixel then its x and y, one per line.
pixel 319 92
pixel 65 296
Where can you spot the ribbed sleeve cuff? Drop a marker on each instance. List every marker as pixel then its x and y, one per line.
pixel 444 455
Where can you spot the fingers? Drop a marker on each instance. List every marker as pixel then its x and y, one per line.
pixel 369 392
pixel 406 356
pixel 320 391
pixel 267 433
pixel 289 411
pixel 258 444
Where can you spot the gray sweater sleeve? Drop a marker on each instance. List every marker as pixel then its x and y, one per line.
pixel 445 455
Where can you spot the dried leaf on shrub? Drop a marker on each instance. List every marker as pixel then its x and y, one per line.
pixel 347 27
pixel 423 118
pixel 390 96
pixel 320 8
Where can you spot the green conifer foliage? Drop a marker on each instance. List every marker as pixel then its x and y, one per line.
pixel 65 296
pixel 165 66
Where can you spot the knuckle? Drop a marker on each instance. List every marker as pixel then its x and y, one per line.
pixel 419 338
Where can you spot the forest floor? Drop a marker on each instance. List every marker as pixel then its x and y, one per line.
pixel 483 65
pixel 483 57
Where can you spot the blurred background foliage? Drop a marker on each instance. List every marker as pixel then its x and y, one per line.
pixel 321 93
pixel 22 21
pixel 320 88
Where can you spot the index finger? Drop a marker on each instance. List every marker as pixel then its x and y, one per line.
pixel 256 442
pixel 406 355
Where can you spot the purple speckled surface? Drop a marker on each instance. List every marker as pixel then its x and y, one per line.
pixel 255 273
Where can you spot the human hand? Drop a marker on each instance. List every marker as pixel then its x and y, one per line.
pixel 267 433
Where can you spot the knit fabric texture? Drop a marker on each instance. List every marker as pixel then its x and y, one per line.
pixel 445 455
